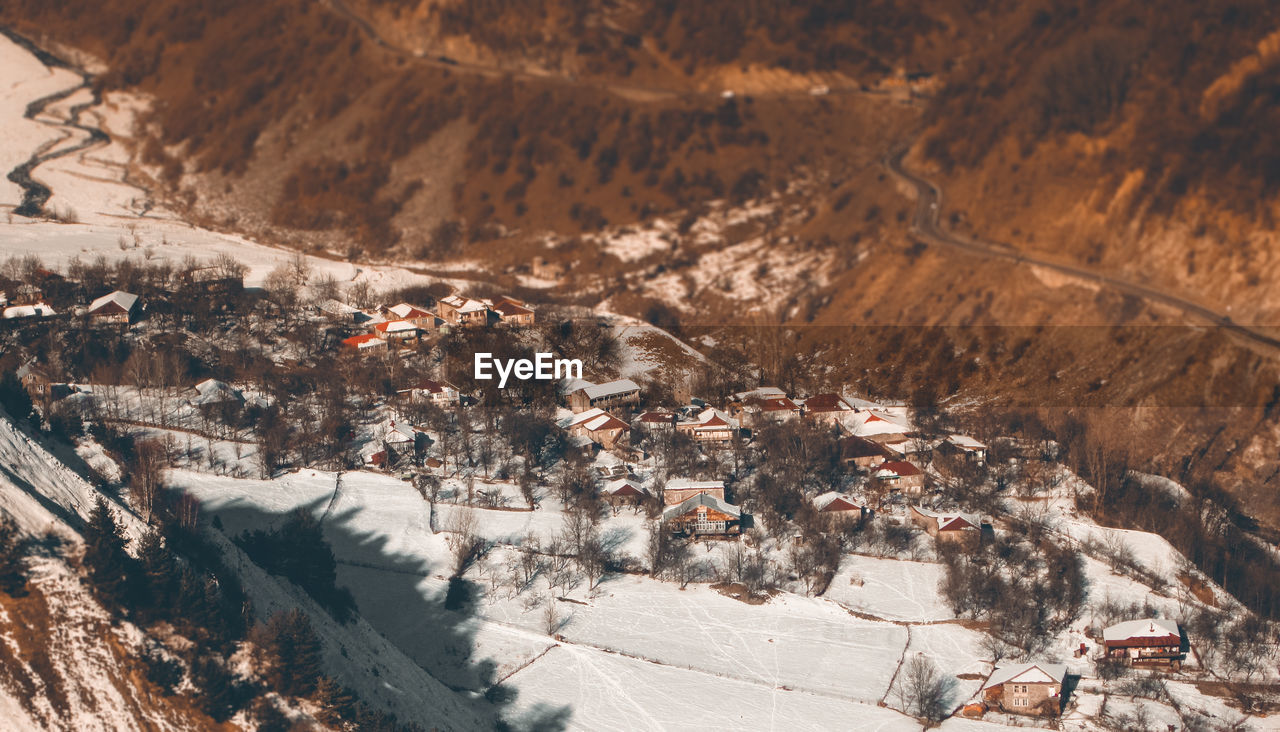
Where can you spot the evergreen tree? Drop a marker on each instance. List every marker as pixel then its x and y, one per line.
pixel 291 653
pixel 159 572
pixel 13 579
pixel 336 702
pixel 220 696
pixel 105 557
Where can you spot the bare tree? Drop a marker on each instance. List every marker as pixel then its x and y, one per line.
pixel 925 692
pixel 550 615
pixel 464 544
pixel 151 459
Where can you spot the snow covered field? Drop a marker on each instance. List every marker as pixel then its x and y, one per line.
pixel 893 589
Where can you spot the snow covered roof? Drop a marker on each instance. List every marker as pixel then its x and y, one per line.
pixel 1149 628
pixel 212 391
pixel 764 392
pixel 396 326
pixel 701 499
pixel 463 304
pixel 118 301
pixel 40 310
pixel 409 312
pixel 712 418
pixel 400 432
pixel 898 468
pixel 1028 673
pixel 964 442
pixel 367 340
pixel 950 521
pixel 430 386
pixel 835 501
pixel 625 485
pixel 596 419
pixel 611 388
pixel 878 424
pixel 682 484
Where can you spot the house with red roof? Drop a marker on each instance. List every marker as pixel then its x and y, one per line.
pixel 900 475
pixel 513 311
pixel 365 343
pixel 625 492
pixel 1150 641
pixel 829 407
pixel 396 330
pixel 710 426
pixel 655 421
pixel 946 526
pixel 599 426
pixel 838 507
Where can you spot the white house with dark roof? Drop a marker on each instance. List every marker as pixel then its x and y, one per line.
pixel 1027 688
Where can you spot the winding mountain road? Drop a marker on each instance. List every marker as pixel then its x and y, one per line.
pixel 925 227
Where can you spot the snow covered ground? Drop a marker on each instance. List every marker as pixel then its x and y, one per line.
pixel 889 588
pixel 90 183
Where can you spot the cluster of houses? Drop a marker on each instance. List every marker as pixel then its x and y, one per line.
pixel 1041 689
pixel 114 307
pixel 404 323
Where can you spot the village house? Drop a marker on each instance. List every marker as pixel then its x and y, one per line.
pixel 655 421
pixel 211 392
pixel 610 395
pixel 878 427
pixel 710 426
pixel 28 294
pixel 426 391
pixel 366 343
pixel 459 310
pixel 1027 688
pixel 511 310
pixel 599 426
pixel 703 515
pixel 901 475
pixel 862 452
pixel 115 307
pixel 420 317
pixel 403 442
pixel 396 331
pixel 757 410
pixel 950 527
pixel 40 386
pixel 964 446
pixel 830 407
pixel 839 508
pixel 624 492
pixel 1154 642
pixel 678 490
